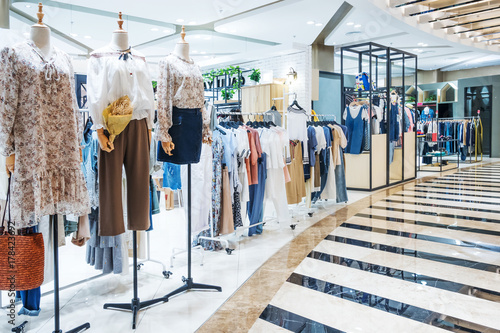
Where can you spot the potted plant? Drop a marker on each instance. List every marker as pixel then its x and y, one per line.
pixel 255 76
pixel 227 94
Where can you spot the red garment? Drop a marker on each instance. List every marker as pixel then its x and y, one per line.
pixel 255 154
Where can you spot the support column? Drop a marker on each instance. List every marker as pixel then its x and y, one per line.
pixel 4 14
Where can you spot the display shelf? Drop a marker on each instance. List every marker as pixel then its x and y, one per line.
pixel 372 170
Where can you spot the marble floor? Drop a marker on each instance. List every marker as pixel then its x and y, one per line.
pixel 419 257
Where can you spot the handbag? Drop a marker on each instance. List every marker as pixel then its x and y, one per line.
pixel 21 256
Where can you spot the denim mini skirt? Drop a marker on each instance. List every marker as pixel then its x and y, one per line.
pixel 187 135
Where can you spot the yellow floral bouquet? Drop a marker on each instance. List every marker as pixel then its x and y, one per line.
pixel 117 116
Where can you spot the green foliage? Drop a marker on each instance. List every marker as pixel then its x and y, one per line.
pixel 155 84
pixel 227 94
pixel 255 76
pixel 431 98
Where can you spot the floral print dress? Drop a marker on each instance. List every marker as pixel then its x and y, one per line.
pixel 40 123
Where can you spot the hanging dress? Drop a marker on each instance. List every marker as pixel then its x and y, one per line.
pixel 355 128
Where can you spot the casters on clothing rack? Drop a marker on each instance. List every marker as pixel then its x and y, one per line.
pixel 293 226
pixel 20 328
pixel 310 214
pixel 139 266
pixel 229 251
pixel 167 274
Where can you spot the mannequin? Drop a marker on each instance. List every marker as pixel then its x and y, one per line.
pixel 182 51
pixel 40 35
pixel 119 42
pixel 182 47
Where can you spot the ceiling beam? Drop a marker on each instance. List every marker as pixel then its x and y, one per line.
pixel 476 29
pixel 470 22
pixel 449 7
pixel 207 29
pixel 28 19
pixel 333 23
pixel 413 2
pixel 94 11
pixel 463 15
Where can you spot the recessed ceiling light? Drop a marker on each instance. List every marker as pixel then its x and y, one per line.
pixel 208 38
pixel 179 20
pixel 154 29
pixel 192 23
pixel 424 45
pixel 74 35
pixel 87 37
pixel 203 52
pixel 357 26
pixel 319 24
pixel 233 31
pixel 206 57
pixel 350 23
pixel 28 6
pixel 167 31
pixel 310 22
pixel 222 29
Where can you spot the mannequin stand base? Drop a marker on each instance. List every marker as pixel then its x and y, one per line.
pixel 134 306
pixel 78 329
pixel 188 285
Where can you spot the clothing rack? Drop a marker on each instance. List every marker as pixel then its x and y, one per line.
pixel 473 118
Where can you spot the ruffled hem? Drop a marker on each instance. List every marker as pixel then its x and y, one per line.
pixel 53 192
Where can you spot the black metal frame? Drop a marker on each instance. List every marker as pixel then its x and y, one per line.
pixel 389 55
pixel 227 85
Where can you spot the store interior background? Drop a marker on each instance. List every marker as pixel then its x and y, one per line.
pixel 274 36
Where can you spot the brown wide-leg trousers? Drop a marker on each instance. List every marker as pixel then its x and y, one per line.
pixel 131 150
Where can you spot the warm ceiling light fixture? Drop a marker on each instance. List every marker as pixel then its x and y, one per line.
pixel 292 75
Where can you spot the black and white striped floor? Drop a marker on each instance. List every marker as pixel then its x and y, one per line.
pixel 426 259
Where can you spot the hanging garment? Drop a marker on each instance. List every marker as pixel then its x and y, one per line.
pixel 103 252
pixel 41 124
pixel 172 176
pixel 216 195
pixel 393 122
pixel 297 129
pixel 366 135
pixel 255 206
pixel 340 182
pixel 238 221
pixel 295 189
pixel 201 174
pixel 227 221
pixel 355 130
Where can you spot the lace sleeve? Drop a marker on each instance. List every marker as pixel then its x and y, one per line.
pixel 9 89
pixel 164 102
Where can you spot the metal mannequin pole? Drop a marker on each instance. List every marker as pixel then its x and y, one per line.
pixel 57 324
pixel 188 282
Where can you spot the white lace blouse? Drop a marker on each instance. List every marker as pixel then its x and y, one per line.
pixel 180 84
pixel 113 74
pixel 41 124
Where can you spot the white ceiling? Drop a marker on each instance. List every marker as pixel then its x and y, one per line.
pixel 229 31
